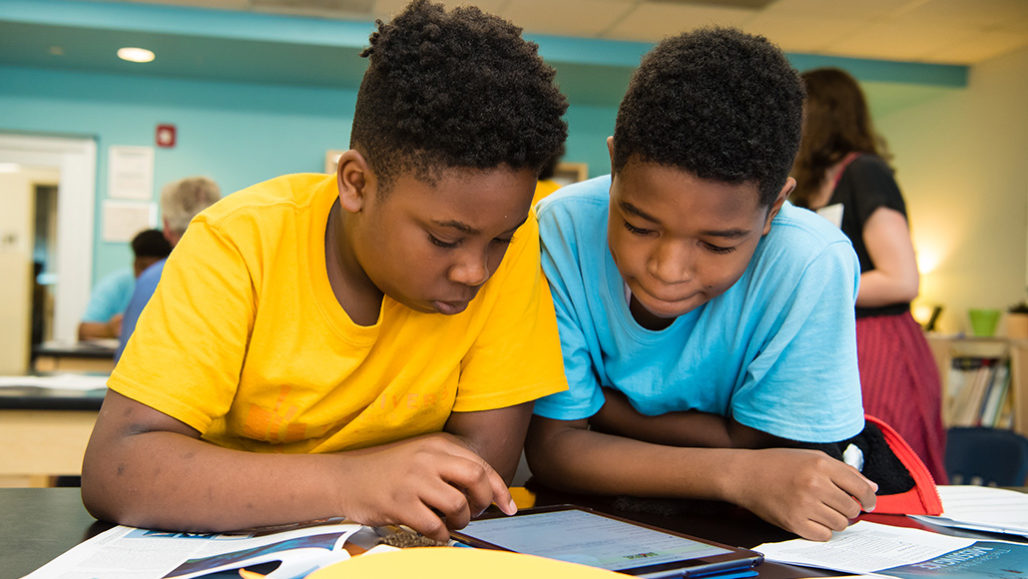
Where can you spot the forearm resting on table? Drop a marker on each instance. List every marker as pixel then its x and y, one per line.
pixel 803 491
pixel 172 480
pixel 146 469
pixel 580 460
pixel 687 428
pixel 100 330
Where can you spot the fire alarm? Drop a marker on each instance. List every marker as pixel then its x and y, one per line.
pixel 166 135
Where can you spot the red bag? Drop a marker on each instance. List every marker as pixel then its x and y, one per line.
pixel 922 498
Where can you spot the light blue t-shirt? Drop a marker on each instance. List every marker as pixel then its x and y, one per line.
pixel 146 284
pixel 110 296
pixel 776 352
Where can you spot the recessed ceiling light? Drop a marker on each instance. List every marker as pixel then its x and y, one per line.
pixel 134 54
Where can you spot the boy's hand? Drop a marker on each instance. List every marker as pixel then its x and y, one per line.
pixel 803 491
pixel 432 484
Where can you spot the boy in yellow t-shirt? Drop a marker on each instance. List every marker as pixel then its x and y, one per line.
pixel 354 344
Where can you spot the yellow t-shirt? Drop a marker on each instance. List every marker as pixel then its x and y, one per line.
pixel 543 188
pixel 245 342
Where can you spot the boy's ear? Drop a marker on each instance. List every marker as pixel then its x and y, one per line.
pixel 790 184
pixel 352 177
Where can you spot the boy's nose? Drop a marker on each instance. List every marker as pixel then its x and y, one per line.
pixel 671 263
pixel 472 270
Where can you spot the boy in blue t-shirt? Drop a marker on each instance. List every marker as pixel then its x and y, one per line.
pixel 717 317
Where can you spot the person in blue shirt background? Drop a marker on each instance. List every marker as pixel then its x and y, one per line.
pixel 706 324
pixel 103 315
pixel 180 201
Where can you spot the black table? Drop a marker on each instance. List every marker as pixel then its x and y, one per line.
pixel 40 524
pixel 77 357
pixel 713 520
pixel 39 398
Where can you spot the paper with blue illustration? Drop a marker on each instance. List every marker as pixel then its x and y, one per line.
pixel 872 548
pixel 291 551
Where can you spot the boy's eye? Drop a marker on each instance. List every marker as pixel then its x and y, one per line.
pixel 439 242
pixel 717 248
pixel 503 240
pixel 637 230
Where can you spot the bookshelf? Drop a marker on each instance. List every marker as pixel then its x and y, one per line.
pixel 973 372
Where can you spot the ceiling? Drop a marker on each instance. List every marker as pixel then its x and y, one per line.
pixel 936 31
pixel 904 52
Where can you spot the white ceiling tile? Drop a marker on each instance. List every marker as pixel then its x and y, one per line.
pixel 653 21
pixel 959 31
pixel 858 9
pixel 386 9
pixel 893 40
pixel 1014 26
pixel 981 47
pixel 809 34
pixel 969 13
pixel 567 17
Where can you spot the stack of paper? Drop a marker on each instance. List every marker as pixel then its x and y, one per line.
pixel 870 548
pixel 982 509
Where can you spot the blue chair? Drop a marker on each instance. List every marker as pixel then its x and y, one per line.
pixel 986 457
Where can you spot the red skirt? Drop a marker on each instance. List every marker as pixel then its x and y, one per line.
pixel 900 384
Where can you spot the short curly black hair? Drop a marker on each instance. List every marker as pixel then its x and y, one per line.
pixel 150 243
pixel 454 90
pixel 717 102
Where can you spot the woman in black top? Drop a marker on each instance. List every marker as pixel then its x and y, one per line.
pixel 842 174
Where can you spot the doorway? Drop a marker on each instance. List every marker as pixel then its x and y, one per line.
pixel 60 174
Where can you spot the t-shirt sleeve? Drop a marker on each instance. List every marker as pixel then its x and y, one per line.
pixel 804 384
pixel 584 396
pixel 110 297
pixel 516 356
pixel 874 187
pixel 145 286
pixel 187 351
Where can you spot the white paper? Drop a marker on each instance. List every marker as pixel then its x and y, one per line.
pixel 865 547
pixel 131 553
pixel 982 509
pixel 130 172
pixel 832 213
pixel 122 220
pixel 80 382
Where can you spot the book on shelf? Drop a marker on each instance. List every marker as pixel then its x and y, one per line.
pixel 995 396
pixel 977 392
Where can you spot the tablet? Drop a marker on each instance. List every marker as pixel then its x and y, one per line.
pixel 581 535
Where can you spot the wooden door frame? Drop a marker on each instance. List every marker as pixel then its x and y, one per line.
pixel 76 202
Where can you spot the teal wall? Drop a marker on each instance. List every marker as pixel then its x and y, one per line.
pixel 257 95
pixel 236 133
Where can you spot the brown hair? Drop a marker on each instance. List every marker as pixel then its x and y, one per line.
pixel 836 122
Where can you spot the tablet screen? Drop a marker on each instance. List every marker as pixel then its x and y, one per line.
pixel 587 538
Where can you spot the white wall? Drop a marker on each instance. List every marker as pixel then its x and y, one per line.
pixel 961 162
pixel 17 196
